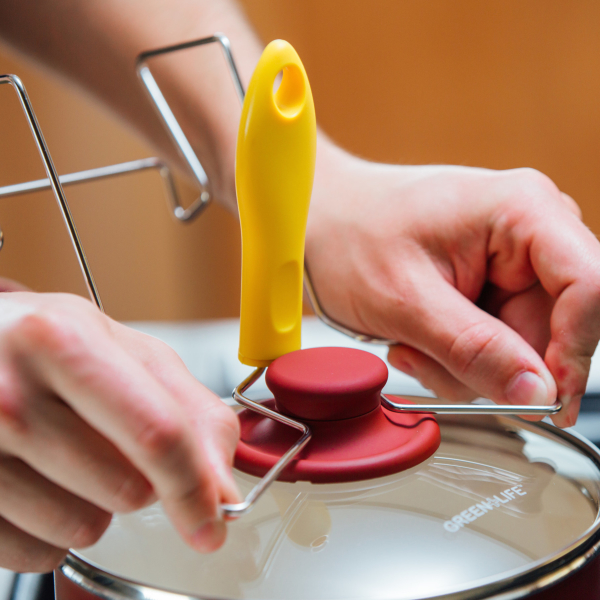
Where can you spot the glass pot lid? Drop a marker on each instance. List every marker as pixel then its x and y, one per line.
pixel 500 501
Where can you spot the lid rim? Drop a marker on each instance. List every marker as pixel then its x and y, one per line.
pixel 109 586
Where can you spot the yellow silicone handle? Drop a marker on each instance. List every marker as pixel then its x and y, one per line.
pixel 275 163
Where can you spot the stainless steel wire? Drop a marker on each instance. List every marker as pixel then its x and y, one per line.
pixel 54 183
pixel 84 176
pixel 99 173
pixel 322 315
pixel 465 409
pixel 237 510
pixel 189 156
pixel 172 125
pixel 186 214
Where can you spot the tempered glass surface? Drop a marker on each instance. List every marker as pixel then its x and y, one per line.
pixel 498 496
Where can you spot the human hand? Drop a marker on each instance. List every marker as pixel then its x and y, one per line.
pixel 96 418
pixel 488 280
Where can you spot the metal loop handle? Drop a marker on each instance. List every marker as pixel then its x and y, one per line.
pixel 322 315
pixel 467 409
pixel 172 125
pixel 55 183
pixel 188 155
pixel 99 173
pixel 238 510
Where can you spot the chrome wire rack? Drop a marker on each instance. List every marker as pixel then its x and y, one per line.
pixel 187 215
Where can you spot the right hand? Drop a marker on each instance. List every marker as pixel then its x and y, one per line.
pixel 487 280
pixel 96 418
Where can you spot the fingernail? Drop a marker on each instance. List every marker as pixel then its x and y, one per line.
pixel 527 388
pixel 573 404
pixel 210 536
pixel 572 415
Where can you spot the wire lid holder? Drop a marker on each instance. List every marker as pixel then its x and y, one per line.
pixel 186 215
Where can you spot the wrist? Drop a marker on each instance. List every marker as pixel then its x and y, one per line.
pixel 333 174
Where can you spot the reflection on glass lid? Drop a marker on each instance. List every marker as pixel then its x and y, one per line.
pixel 498 496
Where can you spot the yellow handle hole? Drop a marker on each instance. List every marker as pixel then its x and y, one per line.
pixel 289 97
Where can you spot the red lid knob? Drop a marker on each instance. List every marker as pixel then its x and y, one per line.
pixel 337 391
pixel 327 384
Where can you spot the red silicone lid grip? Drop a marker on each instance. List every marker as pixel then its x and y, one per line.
pixel 327 384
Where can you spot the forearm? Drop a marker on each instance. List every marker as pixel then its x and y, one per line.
pixel 95 43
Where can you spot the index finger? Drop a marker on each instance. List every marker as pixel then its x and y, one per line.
pixel 117 396
pixel 566 257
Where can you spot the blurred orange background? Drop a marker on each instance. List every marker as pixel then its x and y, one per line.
pixel 498 84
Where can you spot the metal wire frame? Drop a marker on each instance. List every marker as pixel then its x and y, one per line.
pixel 186 215
pixel 54 183
pixel 171 124
pixel 238 510
pixel 173 128
pixel 417 406
pixel 99 173
pixel 188 156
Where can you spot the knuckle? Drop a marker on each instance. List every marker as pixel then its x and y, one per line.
pixel 88 529
pixel 133 493
pixel 13 408
pixel 39 557
pixel 530 190
pixel 572 205
pixel 156 347
pixel 50 331
pixel 406 294
pixel 161 436
pixel 537 181
pixel 161 349
pixel 45 560
pixel 157 350
pixel 471 346
pixel 229 420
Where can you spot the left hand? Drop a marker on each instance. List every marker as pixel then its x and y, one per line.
pixel 96 418
pixel 488 280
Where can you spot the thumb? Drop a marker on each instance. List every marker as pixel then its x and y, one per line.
pixel 220 434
